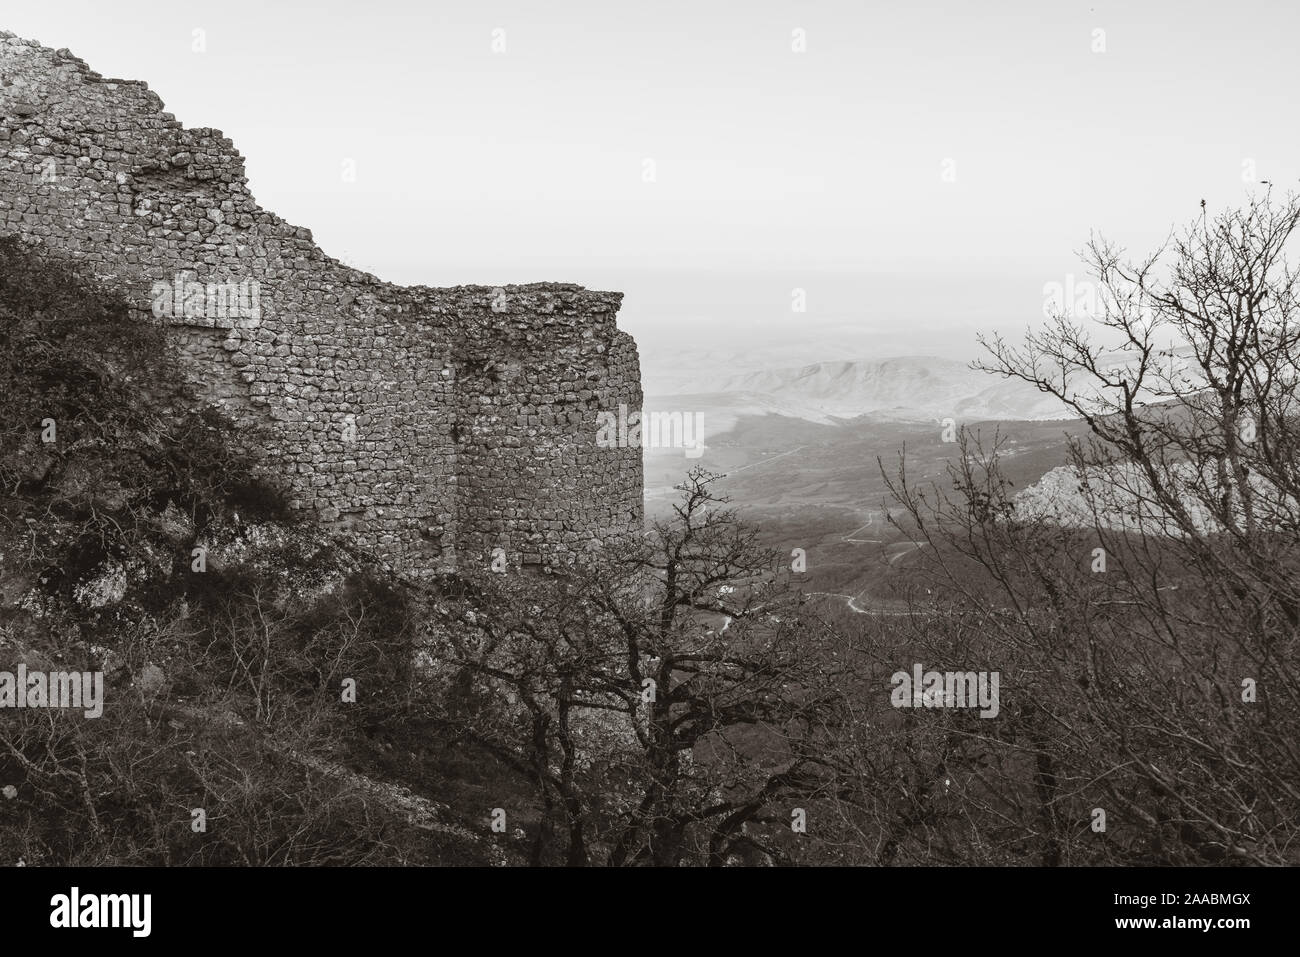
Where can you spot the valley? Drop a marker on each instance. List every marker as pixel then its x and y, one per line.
pixel 819 482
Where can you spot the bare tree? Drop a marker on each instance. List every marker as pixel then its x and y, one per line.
pixel 671 702
pixel 1149 652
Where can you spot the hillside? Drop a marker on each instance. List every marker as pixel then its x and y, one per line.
pixel 138 540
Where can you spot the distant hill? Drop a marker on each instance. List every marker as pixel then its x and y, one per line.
pixel 903 389
pixel 910 388
pixel 892 389
pixel 1120 498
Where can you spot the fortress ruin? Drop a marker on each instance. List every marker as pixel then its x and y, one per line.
pixel 432 425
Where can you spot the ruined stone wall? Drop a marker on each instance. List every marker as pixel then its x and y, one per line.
pixel 434 425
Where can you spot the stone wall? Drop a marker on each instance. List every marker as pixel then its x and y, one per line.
pixel 434 425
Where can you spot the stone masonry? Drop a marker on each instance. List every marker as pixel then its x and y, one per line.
pixel 433 425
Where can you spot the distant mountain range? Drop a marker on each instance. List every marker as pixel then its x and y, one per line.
pixel 798 436
pixel 903 389
pixel 897 389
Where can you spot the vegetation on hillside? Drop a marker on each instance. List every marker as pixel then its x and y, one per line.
pixel 684 700
pixel 222 676
pixel 1149 666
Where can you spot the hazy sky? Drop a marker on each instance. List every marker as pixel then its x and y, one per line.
pixel 772 169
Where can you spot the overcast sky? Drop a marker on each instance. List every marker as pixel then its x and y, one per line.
pixel 920 169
